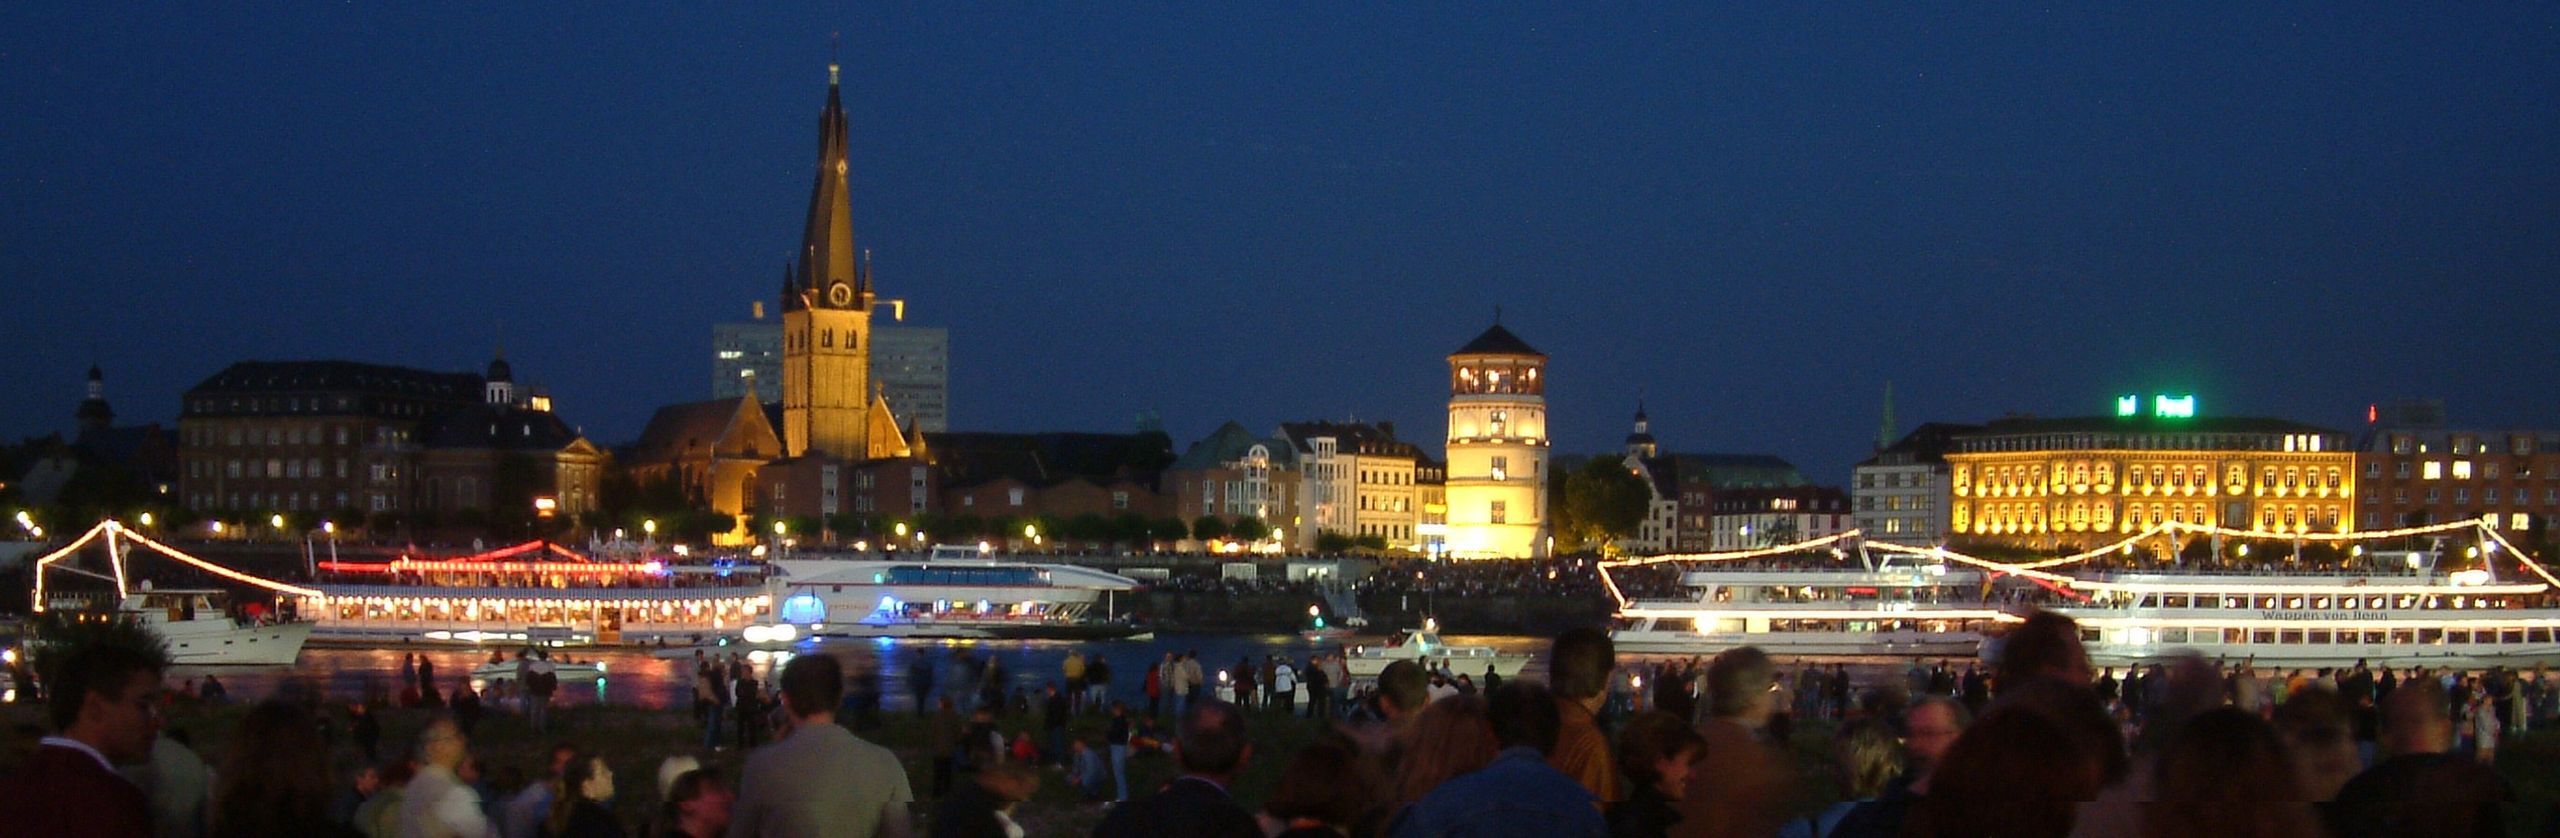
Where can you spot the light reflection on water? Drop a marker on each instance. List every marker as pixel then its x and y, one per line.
pixel 639 678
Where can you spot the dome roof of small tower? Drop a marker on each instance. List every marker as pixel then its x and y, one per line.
pixel 1498 341
pixel 499 372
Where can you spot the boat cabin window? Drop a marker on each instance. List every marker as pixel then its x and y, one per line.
pixel 2263 636
pixel 2291 637
pixel 2431 635
pixel 943 575
pixel 2541 635
pixel 2511 635
pixel 2376 636
pixel 2173 601
pixel 2316 636
pixel 2175 635
pixel 2402 637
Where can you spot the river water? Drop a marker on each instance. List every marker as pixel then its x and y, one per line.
pixel 638 677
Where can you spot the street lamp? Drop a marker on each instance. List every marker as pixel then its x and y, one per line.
pixel 649 526
pixel 277 519
pixel 902 529
pixel 146 519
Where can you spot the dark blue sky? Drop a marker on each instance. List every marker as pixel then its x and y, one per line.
pixel 1755 217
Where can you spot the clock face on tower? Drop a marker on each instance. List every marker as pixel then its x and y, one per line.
pixel 840 294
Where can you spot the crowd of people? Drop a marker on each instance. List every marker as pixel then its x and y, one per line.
pixel 2040 744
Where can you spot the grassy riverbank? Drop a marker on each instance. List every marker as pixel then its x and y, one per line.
pixel 634 741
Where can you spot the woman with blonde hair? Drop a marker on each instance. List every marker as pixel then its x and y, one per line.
pixel 1452 736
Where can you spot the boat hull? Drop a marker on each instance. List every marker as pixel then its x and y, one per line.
pixel 567 672
pixel 1810 644
pixel 1507 666
pixel 278 644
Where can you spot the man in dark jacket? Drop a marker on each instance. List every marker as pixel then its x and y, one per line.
pixel 1212 749
pixel 105 701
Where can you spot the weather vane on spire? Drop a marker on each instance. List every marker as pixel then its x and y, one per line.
pixel 835 40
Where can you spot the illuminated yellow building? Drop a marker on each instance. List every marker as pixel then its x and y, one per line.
pixel 1497 474
pixel 2083 482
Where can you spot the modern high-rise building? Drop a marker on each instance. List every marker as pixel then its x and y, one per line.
pixel 911 365
pixel 747 358
pixel 1497 469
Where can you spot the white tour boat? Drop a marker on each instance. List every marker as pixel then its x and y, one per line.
pixel 950 593
pixel 1423 646
pixel 2467 619
pixel 584 672
pixel 1882 606
pixel 198 624
pixel 537 594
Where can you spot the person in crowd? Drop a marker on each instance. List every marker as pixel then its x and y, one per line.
pixel 1211 749
pixel 1656 753
pixel 1319 688
pixel 1242 678
pixel 673 767
pixel 1865 759
pixel 579 811
pixel 1579 663
pixel 984 807
pixel 2046 645
pixel 820 779
pixel 2421 789
pixel 1154 685
pixel 1450 737
pixel 1519 793
pixel 2317 729
pixel 2226 773
pixel 178 784
pixel 711 700
pixel 1055 707
pixel 747 705
pixel 697 806
pixel 1097 684
pixel 1073 670
pixel 1023 750
pixel 383 788
pixel 437 802
pixel 366 728
pixel 467 709
pixel 1116 738
pixel 525 811
pixel 1327 791
pixel 1929 727
pixel 275 780
pixel 105 704
pixel 1086 772
pixel 945 732
pixel 1752 785
pixel 2016 772
pixel 920 682
pixel 1283 680
pixel 1381 721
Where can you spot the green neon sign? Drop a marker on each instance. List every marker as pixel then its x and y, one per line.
pixel 2181 407
pixel 2128 405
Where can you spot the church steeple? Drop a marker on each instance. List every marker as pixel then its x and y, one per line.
pixel 828 260
pixel 94 412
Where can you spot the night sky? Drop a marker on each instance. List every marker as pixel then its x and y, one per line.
pixel 1754 218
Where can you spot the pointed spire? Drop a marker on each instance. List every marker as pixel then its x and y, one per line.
pixel 827 252
pixel 1885 434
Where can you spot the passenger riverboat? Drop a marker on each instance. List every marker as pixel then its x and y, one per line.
pixel 950 592
pixel 1809 600
pixel 2387 608
pixel 537 594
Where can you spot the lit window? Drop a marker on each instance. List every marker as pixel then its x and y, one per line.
pixel 2432 470
pixel 1501 468
pixel 1498 513
pixel 2519 521
pixel 2461 470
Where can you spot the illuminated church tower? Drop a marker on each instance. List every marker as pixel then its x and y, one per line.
pixel 1497 490
pixel 826 314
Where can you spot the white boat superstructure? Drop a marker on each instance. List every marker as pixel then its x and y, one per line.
pixel 2465 619
pixel 937 596
pixel 1815 599
pixel 1423 646
pixel 198 624
pixel 200 631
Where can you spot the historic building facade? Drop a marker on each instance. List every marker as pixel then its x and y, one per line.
pixel 1232 475
pixel 264 437
pixel 2416 476
pixel 1902 494
pixel 1498 448
pixel 1747 519
pixel 1356 479
pixel 2081 482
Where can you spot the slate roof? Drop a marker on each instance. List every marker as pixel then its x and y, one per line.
pixel 965 459
pixel 306 376
pixel 1928 443
pixel 1498 341
pixel 501 428
pixel 1228 444
pixel 679 431
pixel 1349 438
